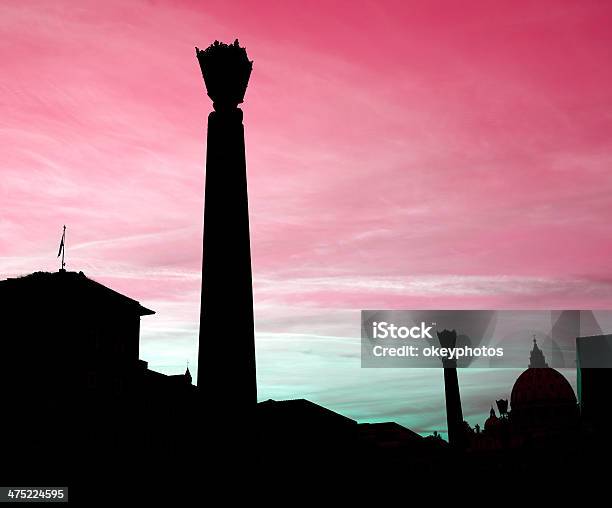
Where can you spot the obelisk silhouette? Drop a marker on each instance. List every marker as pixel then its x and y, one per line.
pixel 226 357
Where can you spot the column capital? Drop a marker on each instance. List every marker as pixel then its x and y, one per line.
pixel 226 69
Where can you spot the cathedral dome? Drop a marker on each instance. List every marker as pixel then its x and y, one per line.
pixel 541 386
pixel 537 387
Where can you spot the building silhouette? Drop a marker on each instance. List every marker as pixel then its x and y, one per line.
pixel 594 354
pixel 543 412
pixel 80 393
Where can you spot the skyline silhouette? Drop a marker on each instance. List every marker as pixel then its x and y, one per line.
pixel 93 408
pixel 115 151
pixel 398 158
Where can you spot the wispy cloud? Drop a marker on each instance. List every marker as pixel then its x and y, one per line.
pixel 399 155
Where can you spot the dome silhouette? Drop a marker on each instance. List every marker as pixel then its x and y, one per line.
pixel 538 387
pixel 542 399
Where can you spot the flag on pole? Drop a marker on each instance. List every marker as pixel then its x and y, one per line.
pixel 62 250
pixel 61 247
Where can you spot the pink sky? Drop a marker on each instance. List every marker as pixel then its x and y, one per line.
pixel 400 154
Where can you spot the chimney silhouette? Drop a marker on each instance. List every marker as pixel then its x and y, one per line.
pixel 454 413
pixel 226 356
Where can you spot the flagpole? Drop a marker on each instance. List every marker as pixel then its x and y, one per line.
pixel 64 249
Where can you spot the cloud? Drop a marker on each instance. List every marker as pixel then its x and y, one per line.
pixel 399 155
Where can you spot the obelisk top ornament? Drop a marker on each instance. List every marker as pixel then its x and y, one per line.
pixel 226 70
